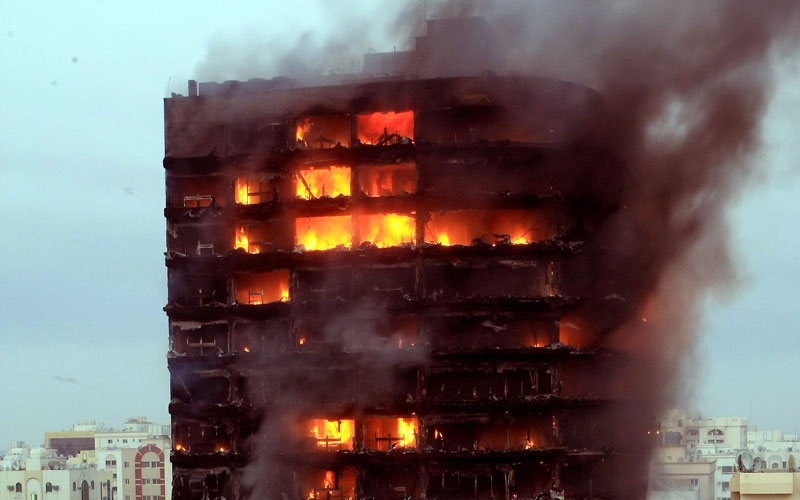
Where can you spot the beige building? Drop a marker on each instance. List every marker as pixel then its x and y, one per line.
pixel 765 485
pixel 675 478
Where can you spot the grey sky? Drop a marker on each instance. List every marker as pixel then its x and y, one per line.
pixel 82 194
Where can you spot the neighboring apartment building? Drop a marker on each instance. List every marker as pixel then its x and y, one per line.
pixel 41 474
pixel 777 449
pixel 71 443
pixel 138 459
pixel 693 439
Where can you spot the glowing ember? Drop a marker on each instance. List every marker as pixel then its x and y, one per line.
pixel 407 429
pixel 528 444
pixel 323 233
pixel 242 241
pixel 437 434
pixel 644 320
pixel 302 340
pixel 387 230
pixel 221 449
pixel 179 447
pixel 385 128
pixel 318 182
pixel 246 349
pixel 284 294
pixel 333 433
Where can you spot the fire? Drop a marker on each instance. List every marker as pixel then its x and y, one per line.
pixel 246 349
pixel 242 241
pixel 437 434
pixel 318 182
pixel 323 233
pixel 514 227
pixel 179 447
pixel 302 340
pixel 262 288
pixel 221 449
pixel 387 230
pixel 321 132
pixel 528 444
pixel 385 128
pixel 333 433
pixel 330 480
pixel 407 429
pixel 387 180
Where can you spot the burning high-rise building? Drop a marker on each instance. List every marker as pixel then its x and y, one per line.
pixel 387 288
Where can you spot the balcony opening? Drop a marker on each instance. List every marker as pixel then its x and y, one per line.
pixel 262 288
pixel 253 190
pixel 322 182
pixel 383 129
pixel 320 484
pixel 330 435
pixel 384 434
pixel 261 237
pixel 387 180
pixel 488 227
pixel 324 233
pixel 323 132
pixel 388 230
pixel 195 192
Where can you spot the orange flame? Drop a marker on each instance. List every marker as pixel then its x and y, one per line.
pixel 387 230
pixel 246 349
pixel 515 227
pixel 528 444
pixel 302 340
pixel 318 182
pixel 242 241
pixel 178 447
pixel 385 128
pixel 221 449
pixel 333 433
pixel 407 429
pixel 303 127
pixel 284 293
pixel 387 180
pixel 323 233
pixel 330 480
pixel 437 434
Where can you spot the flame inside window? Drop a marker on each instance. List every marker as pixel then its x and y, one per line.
pixel 243 241
pixel 320 182
pixel 252 190
pixel 385 128
pixel 385 434
pixel 332 434
pixel 321 132
pixel 262 288
pixel 387 180
pixel 387 230
pixel 515 227
pixel 323 233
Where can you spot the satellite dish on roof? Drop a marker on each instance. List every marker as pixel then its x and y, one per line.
pixel 758 464
pixel 745 461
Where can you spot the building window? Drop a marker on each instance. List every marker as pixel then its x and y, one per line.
pixel 115 475
pixel 92 485
pixel 74 486
pixel 127 497
pixel 680 423
pixel 727 469
pixel 127 481
pixel 145 464
pixel 18 488
pixel 110 441
pixel 694 482
pixel 726 485
pixel 156 464
pixel 127 464
pixel 48 487
pixel 124 440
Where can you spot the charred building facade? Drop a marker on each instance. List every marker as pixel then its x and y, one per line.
pixel 376 289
